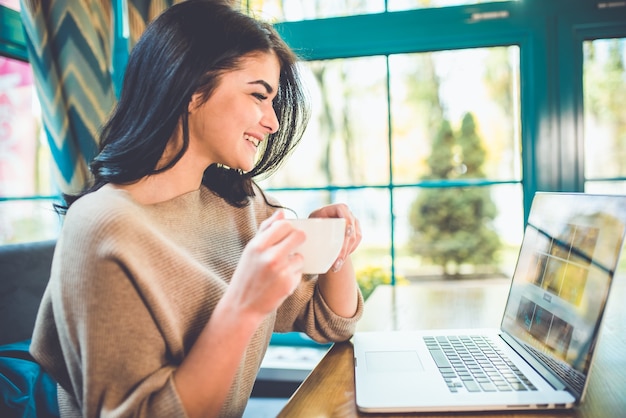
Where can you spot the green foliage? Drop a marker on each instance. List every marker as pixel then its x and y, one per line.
pixel 453 225
pixel 441 159
pixel 605 89
pixel 472 151
pixel 370 277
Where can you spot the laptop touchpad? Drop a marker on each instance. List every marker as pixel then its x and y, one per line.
pixel 393 361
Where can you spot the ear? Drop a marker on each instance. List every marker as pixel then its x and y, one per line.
pixel 193 103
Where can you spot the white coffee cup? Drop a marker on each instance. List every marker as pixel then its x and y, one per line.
pixel 324 239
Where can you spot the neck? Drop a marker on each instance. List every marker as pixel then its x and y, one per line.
pixel 184 177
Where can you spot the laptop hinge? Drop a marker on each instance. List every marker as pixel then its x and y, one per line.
pixel 550 377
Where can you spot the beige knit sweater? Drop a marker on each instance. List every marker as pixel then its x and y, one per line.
pixel 131 288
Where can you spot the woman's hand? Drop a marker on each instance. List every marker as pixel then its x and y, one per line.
pixel 353 230
pixel 269 270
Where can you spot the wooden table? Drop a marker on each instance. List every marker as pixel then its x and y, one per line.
pixel 329 390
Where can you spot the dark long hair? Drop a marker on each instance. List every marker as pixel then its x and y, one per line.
pixel 183 52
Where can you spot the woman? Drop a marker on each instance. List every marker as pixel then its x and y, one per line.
pixel 173 269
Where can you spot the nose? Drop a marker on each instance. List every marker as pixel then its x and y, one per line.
pixel 270 121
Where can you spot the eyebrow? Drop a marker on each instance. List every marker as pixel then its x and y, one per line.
pixel 265 84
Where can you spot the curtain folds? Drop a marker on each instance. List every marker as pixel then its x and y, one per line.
pixel 73 48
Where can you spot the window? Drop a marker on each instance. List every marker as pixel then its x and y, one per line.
pixel 604 86
pixel 11 4
pixel 295 10
pixel 373 136
pixel 27 188
pixel 26 184
pixel 382 85
pixel 395 5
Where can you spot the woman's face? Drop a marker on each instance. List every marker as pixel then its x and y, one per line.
pixel 230 125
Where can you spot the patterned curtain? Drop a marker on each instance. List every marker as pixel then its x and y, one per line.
pixel 74 47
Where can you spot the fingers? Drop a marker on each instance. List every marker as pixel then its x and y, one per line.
pixel 353 233
pixel 281 236
pixel 269 270
pixel 276 243
pixel 277 215
pixel 285 265
pixel 351 242
pixel 293 270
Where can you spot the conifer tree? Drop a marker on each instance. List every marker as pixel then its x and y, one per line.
pixel 453 226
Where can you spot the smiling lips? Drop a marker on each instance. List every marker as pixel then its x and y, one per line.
pixel 253 140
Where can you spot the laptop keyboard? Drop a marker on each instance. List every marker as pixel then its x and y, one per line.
pixel 476 364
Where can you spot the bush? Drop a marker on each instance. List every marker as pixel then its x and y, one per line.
pixel 370 277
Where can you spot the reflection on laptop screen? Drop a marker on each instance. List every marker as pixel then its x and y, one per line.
pixel 561 282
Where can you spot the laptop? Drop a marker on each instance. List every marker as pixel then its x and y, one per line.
pixel 542 354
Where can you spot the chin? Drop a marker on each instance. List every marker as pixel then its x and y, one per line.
pixel 247 167
pixel 242 164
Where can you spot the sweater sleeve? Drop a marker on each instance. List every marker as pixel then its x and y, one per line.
pixel 306 311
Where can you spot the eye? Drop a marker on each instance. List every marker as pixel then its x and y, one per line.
pixel 259 96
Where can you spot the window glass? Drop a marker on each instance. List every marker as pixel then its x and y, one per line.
pixel 396 5
pixel 11 4
pixel 25 159
pixel 28 220
pixel 474 231
pixel 346 141
pixel 604 87
pixel 294 10
pixel 460 106
pixel 454 117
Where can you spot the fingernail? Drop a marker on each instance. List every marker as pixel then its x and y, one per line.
pixel 349 230
pixel 338 264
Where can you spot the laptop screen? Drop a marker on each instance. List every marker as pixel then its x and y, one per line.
pixel 560 286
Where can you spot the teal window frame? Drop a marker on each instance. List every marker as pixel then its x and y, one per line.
pixel 12 40
pixel 13 45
